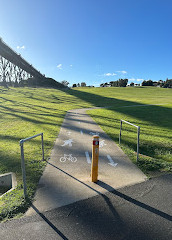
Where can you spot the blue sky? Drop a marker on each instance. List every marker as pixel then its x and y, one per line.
pixel 91 41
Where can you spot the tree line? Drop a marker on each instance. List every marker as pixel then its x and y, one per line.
pixel 124 82
pixel 82 84
pixel 160 83
pixel 119 83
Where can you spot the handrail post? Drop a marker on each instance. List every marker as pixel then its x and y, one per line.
pixel 42 138
pixel 22 158
pixel 138 136
pixel 23 168
pixel 120 132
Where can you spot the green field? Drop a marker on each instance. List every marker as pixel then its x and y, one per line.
pixel 25 112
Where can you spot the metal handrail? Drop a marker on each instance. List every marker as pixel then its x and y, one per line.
pixel 138 135
pixel 22 158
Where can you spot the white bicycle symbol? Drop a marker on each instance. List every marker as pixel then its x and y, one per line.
pixel 68 157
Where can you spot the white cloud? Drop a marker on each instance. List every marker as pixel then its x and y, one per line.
pixel 139 79
pixel 21 47
pixel 123 72
pixel 71 65
pixel 131 79
pixel 110 74
pixel 59 66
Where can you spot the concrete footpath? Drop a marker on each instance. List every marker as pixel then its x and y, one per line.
pixel 66 178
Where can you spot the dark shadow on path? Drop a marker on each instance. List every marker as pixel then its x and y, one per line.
pixel 50 223
pixel 134 201
pixel 121 195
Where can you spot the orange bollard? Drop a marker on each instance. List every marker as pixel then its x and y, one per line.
pixel 95 158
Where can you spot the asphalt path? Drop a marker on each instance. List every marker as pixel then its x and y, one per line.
pixel 139 212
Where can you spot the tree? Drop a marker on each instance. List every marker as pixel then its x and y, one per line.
pixel 168 83
pixel 74 85
pixel 150 83
pixel 131 84
pixel 147 83
pixel 83 84
pixel 65 83
pixel 78 85
pixel 111 83
pixel 160 83
pixel 115 84
pixel 123 82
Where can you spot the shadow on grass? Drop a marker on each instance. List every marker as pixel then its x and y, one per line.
pixel 152 115
pixel 118 105
pixel 29 117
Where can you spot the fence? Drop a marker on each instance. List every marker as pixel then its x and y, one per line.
pixel 22 158
pixel 138 135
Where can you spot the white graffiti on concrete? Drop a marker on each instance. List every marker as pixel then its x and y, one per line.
pixel 68 157
pixel 68 142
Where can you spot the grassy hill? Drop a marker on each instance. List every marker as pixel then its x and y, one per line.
pixel 27 111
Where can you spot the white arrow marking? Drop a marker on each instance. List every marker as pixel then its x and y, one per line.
pixel 68 142
pixel 68 133
pixel 102 143
pixel 88 157
pixel 81 132
pixel 111 161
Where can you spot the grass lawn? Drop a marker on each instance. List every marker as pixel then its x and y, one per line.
pixel 149 108
pixel 27 111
